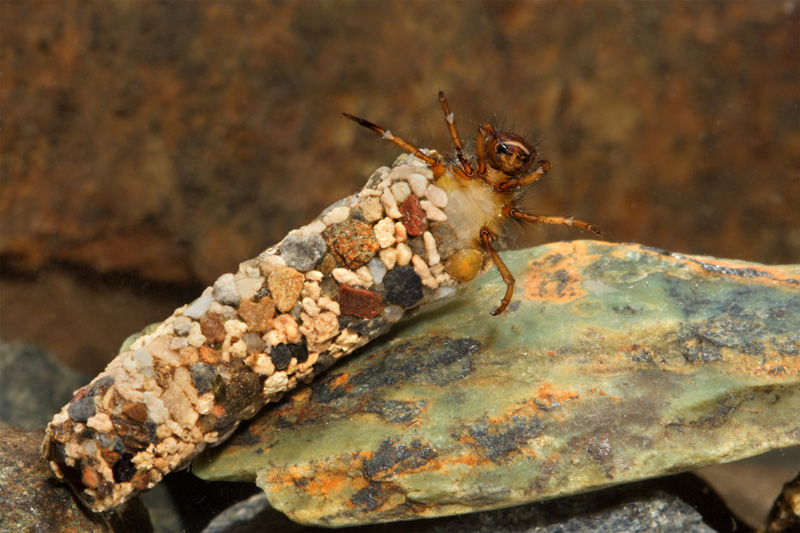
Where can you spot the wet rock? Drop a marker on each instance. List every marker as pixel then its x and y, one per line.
pixel 517 408
pixel 33 501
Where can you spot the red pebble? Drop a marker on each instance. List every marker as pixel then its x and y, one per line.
pixel 358 302
pixel 413 216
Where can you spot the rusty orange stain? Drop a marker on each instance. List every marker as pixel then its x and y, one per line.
pixel 556 277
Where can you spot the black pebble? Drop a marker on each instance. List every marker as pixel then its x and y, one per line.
pixel 203 376
pixel 124 469
pixel 281 356
pixel 403 286
pixel 81 410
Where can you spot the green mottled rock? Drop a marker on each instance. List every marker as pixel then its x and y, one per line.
pixel 613 363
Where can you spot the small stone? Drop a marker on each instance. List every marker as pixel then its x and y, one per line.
pixel 403 286
pixel 348 277
pixel 248 287
pixel 181 325
pixel 384 232
pixel 400 233
pixel 336 215
pixel 413 216
pixel 393 313
pixel 436 196
pixel 136 412
pixel 225 290
pixel 213 328
pixel 421 268
pixel 209 355
pixel 270 263
pixel 430 248
pixel 315 227
pixel 199 307
pixel 353 242
pixel 401 190
pixel 432 212
pixel 81 410
pixel 364 276
pixel 281 356
pixel 446 238
pixel 390 204
pixel 303 252
pixel 321 328
pixel 404 254
pixel 285 285
pixel 377 269
pixel 388 257
pixel 372 209
pixel 257 315
pixel 418 184
pixel 359 302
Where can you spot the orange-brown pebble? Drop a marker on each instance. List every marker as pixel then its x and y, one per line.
pixel 209 355
pixel 257 315
pixel 213 328
pixel 359 302
pixel 353 242
pixel 285 285
pixel 90 477
pixel 136 412
pixel 413 216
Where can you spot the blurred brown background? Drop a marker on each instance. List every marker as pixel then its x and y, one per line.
pixel 148 147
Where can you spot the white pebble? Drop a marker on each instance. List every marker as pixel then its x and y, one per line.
pixel 389 257
pixel 430 248
pixel 390 204
pixel 436 195
pixel 317 226
pixel 418 184
pixel 401 190
pixel 393 313
pixel 372 209
pixel 365 276
pixel 348 277
pixel 225 290
pixel 400 233
pixel 404 254
pixel 199 307
pixel 378 269
pixel 422 270
pixel 432 212
pixel 336 215
pixel 314 275
pixel 384 232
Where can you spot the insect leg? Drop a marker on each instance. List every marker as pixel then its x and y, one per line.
pixel 512 211
pixel 436 165
pixel 485 130
pixel 451 126
pixel 514 183
pixel 486 240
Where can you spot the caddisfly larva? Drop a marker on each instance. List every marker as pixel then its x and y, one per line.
pixel 413 234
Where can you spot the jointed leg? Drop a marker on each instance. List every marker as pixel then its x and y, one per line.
pixel 486 240
pixel 512 211
pixel 451 127
pixel 485 130
pixel 436 165
pixel 513 183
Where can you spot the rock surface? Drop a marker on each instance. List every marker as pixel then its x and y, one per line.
pixel 619 363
